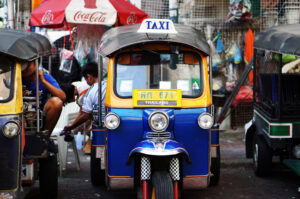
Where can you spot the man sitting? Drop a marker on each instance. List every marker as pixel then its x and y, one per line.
pixel 90 101
pixel 51 95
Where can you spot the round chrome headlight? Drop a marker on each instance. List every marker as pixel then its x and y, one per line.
pixel 205 120
pixel 112 121
pixel 158 121
pixel 11 129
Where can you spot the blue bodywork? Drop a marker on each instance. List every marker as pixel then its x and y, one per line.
pixel 130 137
pixel 215 135
pixel 10 154
pixel 98 138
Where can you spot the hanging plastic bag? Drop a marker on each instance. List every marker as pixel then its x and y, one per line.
pixel 216 59
pixel 233 54
pixel 81 53
pixel 220 45
pixel 237 54
pixel 66 60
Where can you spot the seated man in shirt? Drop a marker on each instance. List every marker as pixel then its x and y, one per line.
pixel 51 95
pixel 90 102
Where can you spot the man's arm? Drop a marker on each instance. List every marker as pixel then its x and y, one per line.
pixel 81 118
pixel 52 89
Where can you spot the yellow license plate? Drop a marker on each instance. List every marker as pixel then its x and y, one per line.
pixel 156 98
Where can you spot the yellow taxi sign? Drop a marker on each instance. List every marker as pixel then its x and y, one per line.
pixel 157 98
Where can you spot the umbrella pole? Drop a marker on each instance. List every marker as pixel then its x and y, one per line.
pixel 71 36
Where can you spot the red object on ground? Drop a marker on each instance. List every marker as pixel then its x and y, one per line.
pixel 245 95
pixel 54 13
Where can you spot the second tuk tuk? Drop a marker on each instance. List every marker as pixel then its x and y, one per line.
pixel 21 140
pixel 275 127
pixel 157 137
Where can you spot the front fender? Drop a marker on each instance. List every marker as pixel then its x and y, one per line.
pixel 165 147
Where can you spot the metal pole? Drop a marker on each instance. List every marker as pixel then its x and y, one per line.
pixel 49 64
pixel 37 95
pixel 100 69
pixel 10 17
pixel 211 84
pixel 279 87
pixel 18 15
pixel 173 10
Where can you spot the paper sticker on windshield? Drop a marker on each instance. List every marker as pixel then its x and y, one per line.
pixel 126 86
pixel 195 83
pixel 164 85
pixel 183 85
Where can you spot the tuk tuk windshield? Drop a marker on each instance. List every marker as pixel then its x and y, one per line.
pixel 158 70
pixel 6 79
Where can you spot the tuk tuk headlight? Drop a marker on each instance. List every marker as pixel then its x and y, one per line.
pixel 11 129
pixel 158 121
pixel 112 121
pixel 205 120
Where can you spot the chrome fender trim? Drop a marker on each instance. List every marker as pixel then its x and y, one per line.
pixel 195 182
pixel 159 147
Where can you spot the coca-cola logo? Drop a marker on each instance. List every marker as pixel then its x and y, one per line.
pixel 48 17
pixel 94 17
pixel 132 18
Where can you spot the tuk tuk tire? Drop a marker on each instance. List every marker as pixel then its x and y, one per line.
pixel 162 184
pixel 97 175
pixel 262 157
pixel 215 169
pixel 48 177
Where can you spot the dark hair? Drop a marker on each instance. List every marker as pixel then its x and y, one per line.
pixel 90 68
pixel 69 91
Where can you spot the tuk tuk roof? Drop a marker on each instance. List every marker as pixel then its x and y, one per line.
pixel 119 38
pixel 23 45
pixel 281 39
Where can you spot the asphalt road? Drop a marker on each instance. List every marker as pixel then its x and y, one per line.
pixel 237 179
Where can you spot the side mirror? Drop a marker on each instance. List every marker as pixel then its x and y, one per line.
pixel 6 83
pixel 173 61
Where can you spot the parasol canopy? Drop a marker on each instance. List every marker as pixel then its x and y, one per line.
pixel 23 45
pixel 54 13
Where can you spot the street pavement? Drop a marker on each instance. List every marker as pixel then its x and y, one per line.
pixel 237 179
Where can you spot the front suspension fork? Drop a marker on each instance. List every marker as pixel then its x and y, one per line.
pixel 146 175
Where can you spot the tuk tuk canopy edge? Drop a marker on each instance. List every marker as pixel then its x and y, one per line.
pixel 118 38
pixel 281 39
pixel 23 45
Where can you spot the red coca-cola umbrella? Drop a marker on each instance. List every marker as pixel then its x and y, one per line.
pixel 54 13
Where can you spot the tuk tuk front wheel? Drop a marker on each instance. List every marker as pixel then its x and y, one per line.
pixel 97 175
pixel 262 157
pixel 162 185
pixel 48 177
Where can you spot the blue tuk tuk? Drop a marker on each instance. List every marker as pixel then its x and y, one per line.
pixel 157 136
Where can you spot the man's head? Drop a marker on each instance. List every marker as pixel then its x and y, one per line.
pixel 29 70
pixel 90 72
